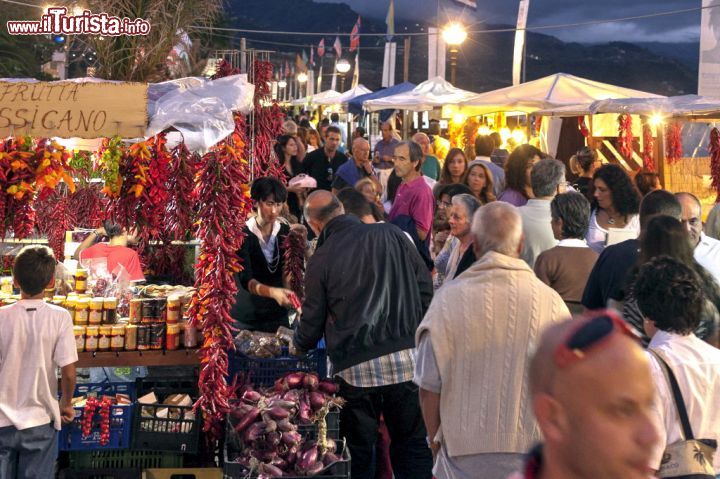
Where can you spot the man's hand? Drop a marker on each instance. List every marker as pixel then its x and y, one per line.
pixel 368 167
pixel 67 413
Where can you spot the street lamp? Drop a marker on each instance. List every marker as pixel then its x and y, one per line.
pixel 302 78
pixel 342 66
pixel 454 34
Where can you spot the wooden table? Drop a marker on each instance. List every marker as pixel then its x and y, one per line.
pixel 179 357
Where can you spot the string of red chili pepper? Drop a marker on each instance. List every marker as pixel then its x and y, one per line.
pixel 625 136
pixel 294 262
pixel 54 218
pixel 268 124
pixel 88 206
pixel 715 161
pixel 673 142
pixel 20 190
pixel 181 203
pixel 223 195
pixel 649 147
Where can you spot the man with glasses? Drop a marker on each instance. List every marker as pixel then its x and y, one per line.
pixel 707 250
pixel 592 395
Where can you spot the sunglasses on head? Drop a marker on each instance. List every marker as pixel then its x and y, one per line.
pixel 589 335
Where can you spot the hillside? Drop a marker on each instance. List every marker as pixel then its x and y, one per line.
pixel 485 59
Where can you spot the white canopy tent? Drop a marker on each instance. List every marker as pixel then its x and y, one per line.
pixel 315 99
pixel 559 90
pixel 693 106
pixel 435 92
pixel 344 97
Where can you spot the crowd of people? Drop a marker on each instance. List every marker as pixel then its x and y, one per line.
pixel 450 326
pixel 487 313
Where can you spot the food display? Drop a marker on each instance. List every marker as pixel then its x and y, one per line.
pixel 268 429
pixel 257 344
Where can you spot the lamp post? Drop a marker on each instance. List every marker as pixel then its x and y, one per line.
pixel 343 66
pixel 302 79
pixel 454 34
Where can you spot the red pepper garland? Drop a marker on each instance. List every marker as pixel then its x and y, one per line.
pixel 268 124
pixel 649 147
pixel 20 179
pixel 715 161
pixel 54 218
pixel 625 136
pixel 673 143
pixel 583 127
pixel 180 206
pixel 294 262
pixel 223 195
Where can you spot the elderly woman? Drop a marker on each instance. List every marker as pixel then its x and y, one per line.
pixel 566 267
pixel 460 219
pixel 616 203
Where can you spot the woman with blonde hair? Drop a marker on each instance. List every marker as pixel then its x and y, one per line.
pixel 313 140
pixel 480 181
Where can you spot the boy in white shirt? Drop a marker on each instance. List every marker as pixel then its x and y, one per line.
pixel 35 339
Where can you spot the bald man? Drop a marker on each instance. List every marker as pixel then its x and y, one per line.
pixel 472 349
pixel 366 290
pixel 360 167
pixel 592 395
pixel 431 165
pixel 707 249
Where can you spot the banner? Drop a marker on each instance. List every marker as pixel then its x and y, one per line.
pixel 73 109
pixel 390 21
pixel 355 36
pixel 709 73
pixel 388 78
pixel 319 79
pixel 356 71
pixel 333 83
pixel 436 53
pixel 519 52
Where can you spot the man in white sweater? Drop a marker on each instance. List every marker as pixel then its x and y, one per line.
pixel 472 354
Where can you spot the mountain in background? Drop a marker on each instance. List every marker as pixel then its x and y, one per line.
pixel 485 60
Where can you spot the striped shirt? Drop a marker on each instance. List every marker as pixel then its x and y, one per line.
pixel 393 368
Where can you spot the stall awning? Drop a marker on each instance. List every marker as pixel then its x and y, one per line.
pixel 355 106
pixel 359 90
pixel 554 91
pixel 675 106
pixel 435 92
pixel 315 99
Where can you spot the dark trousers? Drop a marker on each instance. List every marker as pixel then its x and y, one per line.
pixel 400 406
pixel 28 454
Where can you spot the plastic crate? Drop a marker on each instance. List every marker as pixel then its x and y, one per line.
pixel 107 473
pixel 339 470
pixel 166 434
pixel 264 372
pixel 71 438
pixel 124 459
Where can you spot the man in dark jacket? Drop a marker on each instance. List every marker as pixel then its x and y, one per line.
pixel 366 291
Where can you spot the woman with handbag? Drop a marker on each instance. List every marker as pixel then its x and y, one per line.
pixel 685 368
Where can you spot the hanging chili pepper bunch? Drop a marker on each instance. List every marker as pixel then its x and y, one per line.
pixel 52 167
pixel 109 160
pixel 294 262
pixel 181 203
pixel 625 135
pixel 155 196
pixel 223 70
pixel 132 179
pixel 715 161
pixel 649 146
pixel 54 218
pixel 20 190
pixel 223 195
pixel 82 165
pixel 673 142
pixel 91 405
pixel 88 206
pixel 268 124
pixel 584 131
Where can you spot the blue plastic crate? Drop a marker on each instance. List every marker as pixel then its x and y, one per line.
pixel 71 438
pixel 264 372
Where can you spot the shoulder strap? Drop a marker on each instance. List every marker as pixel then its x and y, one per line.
pixel 677 395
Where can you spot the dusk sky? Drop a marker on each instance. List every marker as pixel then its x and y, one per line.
pixel 676 28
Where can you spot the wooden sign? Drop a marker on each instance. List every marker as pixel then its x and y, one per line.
pixel 71 109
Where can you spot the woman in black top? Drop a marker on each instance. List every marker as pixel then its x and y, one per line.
pixel 286 150
pixel 584 164
pixel 262 301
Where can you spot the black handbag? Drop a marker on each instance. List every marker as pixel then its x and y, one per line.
pixel 689 458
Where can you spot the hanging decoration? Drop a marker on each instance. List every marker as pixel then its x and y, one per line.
pixel 224 198
pixel 268 124
pixel 54 218
pixel 294 262
pixel 625 136
pixel 715 161
pixel 180 206
pixel 648 154
pixel 110 156
pixel 673 142
pixel 584 131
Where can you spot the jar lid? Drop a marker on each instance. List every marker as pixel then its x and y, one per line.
pixel 105 329
pixel 173 300
pixel 96 303
pixel 83 302
pixel 78 330
pixel 91 330
pixel 118 329
pixel 110 301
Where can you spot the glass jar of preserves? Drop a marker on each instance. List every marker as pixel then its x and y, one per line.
pixel 117 341
pixel 96 311
pixel 136 305
pixel 104 338
pixel 79 333
pixel 131 336
pixel 173 310
pixel 110 310
pixel 7 285
pixel 172 337
pixel 143 337
pixel 91 338
pixel 81 276
pixel 189 336
pixel 157 335
pixel 82 311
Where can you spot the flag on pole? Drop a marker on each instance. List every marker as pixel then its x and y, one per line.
pixel 356 71
pixel 287 69
pixel 333 83
pixel 299 63
pixel 355 36
pixel 390 21
pixel 321 48
pixel 338 47
pixel 319 80
pixel 312 56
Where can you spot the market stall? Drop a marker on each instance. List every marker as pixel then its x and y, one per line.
pixel 175 162
pixel 433 93
pixel 316 99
